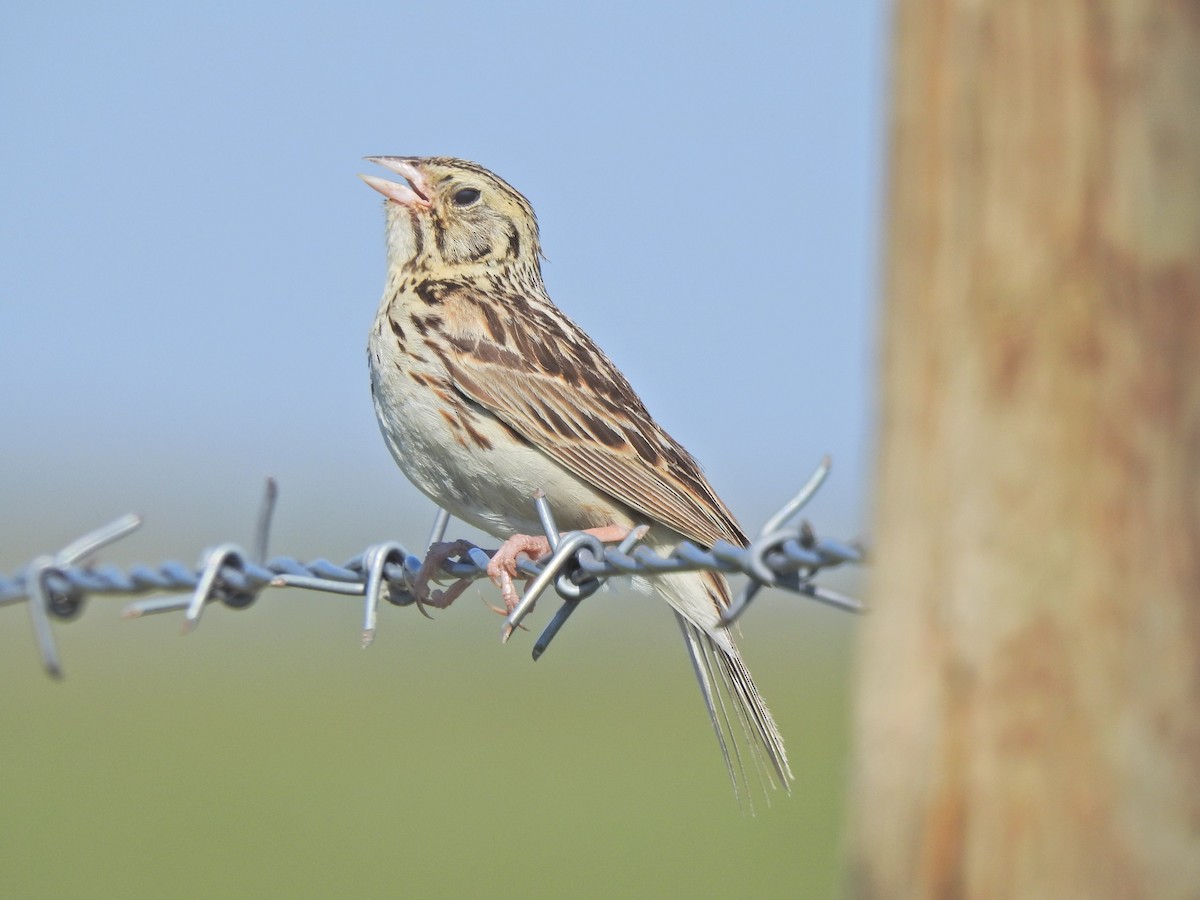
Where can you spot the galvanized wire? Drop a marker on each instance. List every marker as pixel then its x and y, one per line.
pixel 786 554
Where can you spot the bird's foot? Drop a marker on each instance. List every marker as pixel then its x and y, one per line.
pixel 503 567
pixel 438 554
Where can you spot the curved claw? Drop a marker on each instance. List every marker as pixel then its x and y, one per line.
pixel 436 557
pixel 502 568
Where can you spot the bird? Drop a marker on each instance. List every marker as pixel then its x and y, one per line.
pixel 485 393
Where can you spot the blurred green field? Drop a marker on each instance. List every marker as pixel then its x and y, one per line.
pixel 267 755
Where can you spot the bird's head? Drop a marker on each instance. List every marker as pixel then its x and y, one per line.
pixel 450 213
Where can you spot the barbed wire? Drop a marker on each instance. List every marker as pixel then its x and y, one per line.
pixel 786 554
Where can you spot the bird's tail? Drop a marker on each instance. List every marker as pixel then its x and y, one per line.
pixel 729 692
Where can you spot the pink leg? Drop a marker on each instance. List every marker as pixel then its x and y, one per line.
pixel 503 567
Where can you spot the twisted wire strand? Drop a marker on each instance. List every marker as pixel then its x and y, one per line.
pixel 784 555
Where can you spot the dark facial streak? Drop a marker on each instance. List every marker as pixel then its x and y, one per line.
pixel 418 234
pixel 439 235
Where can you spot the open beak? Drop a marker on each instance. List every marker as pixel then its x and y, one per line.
pixel 415 193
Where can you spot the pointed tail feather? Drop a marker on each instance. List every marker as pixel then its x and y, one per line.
pixel 728 689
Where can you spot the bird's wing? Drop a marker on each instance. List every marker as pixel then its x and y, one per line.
pixel 545 379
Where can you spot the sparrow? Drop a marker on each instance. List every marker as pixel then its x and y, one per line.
pixel 486 393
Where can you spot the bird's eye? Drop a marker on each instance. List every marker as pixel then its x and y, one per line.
pixel 466 196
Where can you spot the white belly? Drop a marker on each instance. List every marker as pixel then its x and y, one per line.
pixel 492 489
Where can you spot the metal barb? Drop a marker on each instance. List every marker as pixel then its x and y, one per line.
pixel 81 549
pixel 42 598
pixel 262 529
pixel 801 499
pixel 568 545
pixel 569 606
pixel 374 560
pixel 216 559
pixel 770 536
pixel 440 523
pixel 39 615
pixel 546 517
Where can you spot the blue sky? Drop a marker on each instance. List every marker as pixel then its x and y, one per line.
pixel 188 274
pixel 190 265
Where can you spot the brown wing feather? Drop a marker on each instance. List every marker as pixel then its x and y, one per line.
pixel 546 380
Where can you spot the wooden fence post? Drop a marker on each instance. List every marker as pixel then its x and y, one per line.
pixel 1028 719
